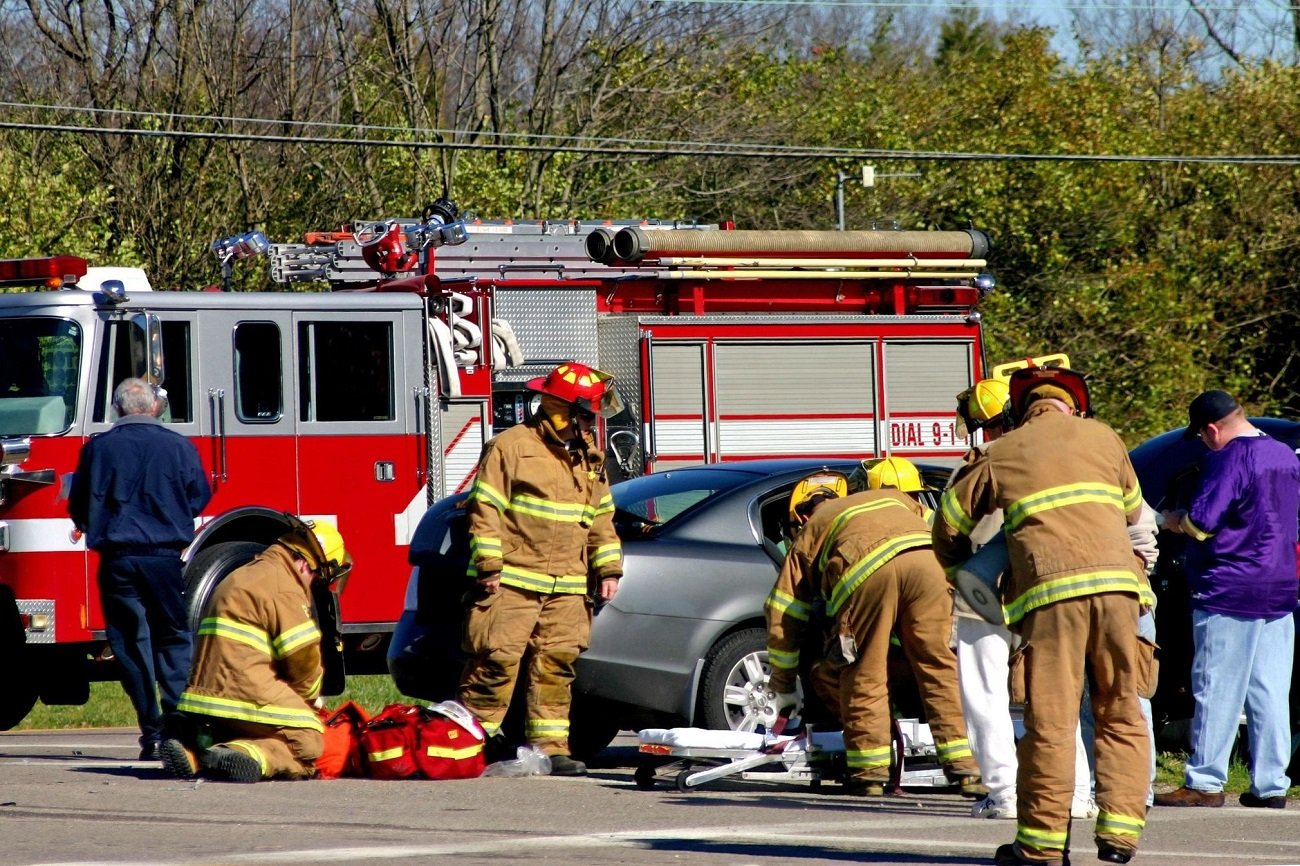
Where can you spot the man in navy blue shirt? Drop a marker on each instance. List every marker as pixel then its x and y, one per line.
pixel 1241 573
pixel 136 492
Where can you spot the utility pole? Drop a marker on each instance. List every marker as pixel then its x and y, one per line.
pixel 868 180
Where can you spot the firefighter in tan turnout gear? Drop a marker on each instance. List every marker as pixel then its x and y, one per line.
pixel 1068 494
pixel 541 527
pixel 866 557
pixel 251 700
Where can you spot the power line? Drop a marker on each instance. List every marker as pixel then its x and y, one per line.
pixel 1081 6
pixel 733 150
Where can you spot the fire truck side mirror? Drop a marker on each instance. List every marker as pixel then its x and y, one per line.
pixel 623 445
pixel 147 348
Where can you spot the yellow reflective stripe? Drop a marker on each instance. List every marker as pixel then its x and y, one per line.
pixel 606 505
pixel 547 727
pixel 954 515
pixel 844 517
pixel 490 728
pixel 1075 585
pixel 289 642
pixel 606 554
pixel 952 750
pixel 549 509
pixel 866 759
pixel 1133 499
pixel 266 714
pixel 1060 497
pixel 1193 530
pixel 483 545
pixel 784 604
pixel 1120 825
pixel 535 581
pixel 386 754
pixel 249 635
pixel 487 493
pixel 314 689
pixel 784 659
pixel 1044 840
pixel 871 563
pixel 253 752
pixel 453 754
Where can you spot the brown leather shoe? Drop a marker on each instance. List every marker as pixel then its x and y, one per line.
pixel 1186 796
pixel 1251 801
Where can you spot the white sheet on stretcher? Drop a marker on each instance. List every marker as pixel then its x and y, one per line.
pixel 702 738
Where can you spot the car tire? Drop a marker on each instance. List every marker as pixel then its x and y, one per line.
pixel 593 725
pixel 209 568
pixel 735 668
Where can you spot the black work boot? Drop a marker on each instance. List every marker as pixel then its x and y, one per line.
pixel 179 760
pixel 563 765
pixel 231 765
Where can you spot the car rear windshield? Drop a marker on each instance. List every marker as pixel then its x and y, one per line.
pixel 663 496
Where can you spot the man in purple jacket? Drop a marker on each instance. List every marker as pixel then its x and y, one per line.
pixel 1241 572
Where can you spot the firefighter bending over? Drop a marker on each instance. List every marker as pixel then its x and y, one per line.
pixel 867 558
pixel 1068 494
pixel 252 697
pixel 541 526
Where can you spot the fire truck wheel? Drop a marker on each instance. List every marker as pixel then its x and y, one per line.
pixel 21 687
pixel 734 670
pixel 209 568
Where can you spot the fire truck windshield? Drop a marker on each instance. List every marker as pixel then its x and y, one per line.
pixel 39 363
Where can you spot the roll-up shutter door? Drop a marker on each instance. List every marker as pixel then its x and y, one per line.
pixel 679 423
pixel 794 397
pixel 922 380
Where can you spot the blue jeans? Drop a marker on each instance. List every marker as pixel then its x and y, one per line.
pixel 1241 662
pixel 148 630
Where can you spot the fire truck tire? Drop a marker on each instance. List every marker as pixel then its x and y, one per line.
pixel 20 687
pixel 734 668
pixel 209 568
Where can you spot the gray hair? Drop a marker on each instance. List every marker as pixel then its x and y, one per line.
pixel 135 397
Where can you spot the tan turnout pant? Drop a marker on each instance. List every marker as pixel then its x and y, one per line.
pixel 908 596
pixel 288 753
pixel 498 631
pixel 1096 635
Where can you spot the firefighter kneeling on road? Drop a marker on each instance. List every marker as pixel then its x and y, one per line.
pixel 252 696
pixel 867 558
pixel 541 526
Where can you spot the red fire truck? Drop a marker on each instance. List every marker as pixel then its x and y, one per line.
pixel 368 401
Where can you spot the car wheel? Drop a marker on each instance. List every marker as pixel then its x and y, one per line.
pixel 734 682
pixel 209 568
pixel 593 725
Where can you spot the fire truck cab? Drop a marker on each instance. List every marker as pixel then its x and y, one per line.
pixel 366 405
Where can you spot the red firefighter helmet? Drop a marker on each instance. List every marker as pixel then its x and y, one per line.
pixel 589 389
pixel 1059 382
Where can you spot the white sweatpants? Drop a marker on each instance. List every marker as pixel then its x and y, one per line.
pixel 982 652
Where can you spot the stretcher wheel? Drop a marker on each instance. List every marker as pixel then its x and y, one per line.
pixel 681 780
pixel 644 777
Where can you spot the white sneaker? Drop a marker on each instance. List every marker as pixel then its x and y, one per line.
pixel 1083 808
pixel 990 808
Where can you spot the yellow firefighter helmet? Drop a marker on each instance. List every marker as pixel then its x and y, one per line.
pixel 985 402
pixel 320 543
pixel 881 472
pixel 813 490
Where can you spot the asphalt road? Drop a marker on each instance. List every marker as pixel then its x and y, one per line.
pixel 79 797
